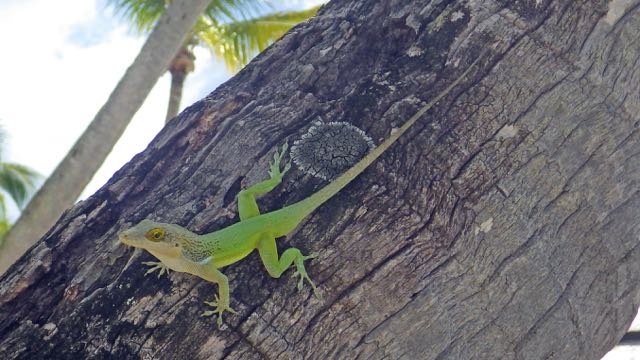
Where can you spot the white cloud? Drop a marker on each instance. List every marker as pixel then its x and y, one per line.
pixel 303 4
pixel 53 84
pixel 625 352
pixel 54 87
pixel 62 59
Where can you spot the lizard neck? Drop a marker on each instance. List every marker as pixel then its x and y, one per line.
pixel 197 248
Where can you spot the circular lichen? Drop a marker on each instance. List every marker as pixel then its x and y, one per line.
pixel 328 149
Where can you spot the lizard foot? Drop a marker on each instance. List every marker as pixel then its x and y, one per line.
pixel 274 168
pixel 302 272
pixel 156 265
pixel 219 308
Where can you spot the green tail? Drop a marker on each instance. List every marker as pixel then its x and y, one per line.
pixel 309 204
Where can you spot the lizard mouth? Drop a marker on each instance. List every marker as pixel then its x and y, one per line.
pixel 125 239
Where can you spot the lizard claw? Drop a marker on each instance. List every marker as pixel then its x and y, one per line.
pixel 218 310
pixel 283 150
pixel 302 272
pixel 156 265
pixel 306 277
pixel 287 167
pixel 311 256
pixel 274 168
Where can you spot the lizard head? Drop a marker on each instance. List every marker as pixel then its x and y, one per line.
pixel 154 236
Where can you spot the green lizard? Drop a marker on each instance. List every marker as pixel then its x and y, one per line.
pixel 181 250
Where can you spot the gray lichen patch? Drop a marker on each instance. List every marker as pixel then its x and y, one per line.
pixel 414 51
pixel 617 8
pixel 441 19
pixel 457 16
pixel 328 149
pixel 506 132
pixel 414 23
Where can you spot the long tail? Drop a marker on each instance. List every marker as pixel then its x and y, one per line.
pixel 309 204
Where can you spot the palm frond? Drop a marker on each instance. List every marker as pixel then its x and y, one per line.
pixel 4 228
pixel 144 14
pixel 18 181
pixel 225 11
pixel 4 214
pixel 235 30
pixel 238 41
pixel 4 220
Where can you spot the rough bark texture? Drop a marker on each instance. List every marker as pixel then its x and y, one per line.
pixel 71 176
pixel 503 226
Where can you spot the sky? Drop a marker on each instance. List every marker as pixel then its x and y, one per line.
pixel 60 61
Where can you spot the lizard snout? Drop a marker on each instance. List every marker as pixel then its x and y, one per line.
pixel 124 238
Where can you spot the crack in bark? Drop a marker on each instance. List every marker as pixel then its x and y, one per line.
pixel 510 258
pixel 570 216
pixel 342 294
pixel 547 314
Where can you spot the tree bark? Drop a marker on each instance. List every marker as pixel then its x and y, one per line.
pixel 62 189
pixel 503 226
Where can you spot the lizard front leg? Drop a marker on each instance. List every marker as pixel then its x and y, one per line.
pixel 276 266
pixel 156 266
pixel 247 206
pixel 220 302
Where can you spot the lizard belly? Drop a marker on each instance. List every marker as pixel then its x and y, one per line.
pixel 222 260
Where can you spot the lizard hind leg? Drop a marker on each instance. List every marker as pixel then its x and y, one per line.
pixel 276 266
pixel 302 272
pixel 247 206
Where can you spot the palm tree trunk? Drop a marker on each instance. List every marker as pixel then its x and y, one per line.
pixel 63 187
pixel 504 225
pixel 181 66
pixel 175 93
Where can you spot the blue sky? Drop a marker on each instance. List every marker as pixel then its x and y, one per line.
pixel 65 58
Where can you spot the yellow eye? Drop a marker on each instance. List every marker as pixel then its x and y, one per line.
pixel 156 234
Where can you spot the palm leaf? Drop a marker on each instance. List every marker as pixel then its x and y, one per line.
pixel 223 11
pixel 18 181
pixel 4 220
pixel 233 29
pixel 4 228
pixel 238 41
pixel 143 14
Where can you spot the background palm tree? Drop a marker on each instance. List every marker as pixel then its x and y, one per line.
pixel 17 181
pixel 172 22
pixel 62 188
pixel 234 30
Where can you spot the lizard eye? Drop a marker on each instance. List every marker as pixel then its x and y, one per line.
pixel 156 234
